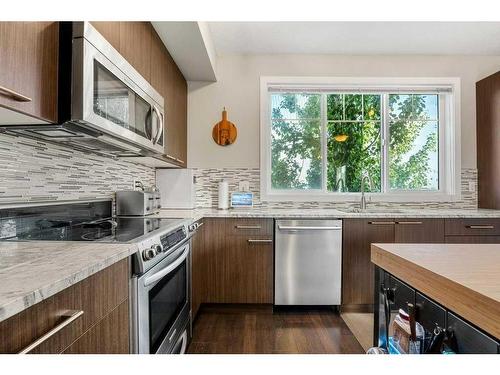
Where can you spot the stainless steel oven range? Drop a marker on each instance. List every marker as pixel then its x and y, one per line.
pixel 161 292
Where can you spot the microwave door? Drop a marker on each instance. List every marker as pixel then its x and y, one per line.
pixel 107 100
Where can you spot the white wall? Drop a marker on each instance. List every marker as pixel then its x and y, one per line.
pixel 238 90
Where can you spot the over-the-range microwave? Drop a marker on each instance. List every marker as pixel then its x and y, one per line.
pixel 105 105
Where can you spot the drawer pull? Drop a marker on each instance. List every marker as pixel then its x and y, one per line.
pixel 71 316
pixel 382 222
pixel 179 160
pixel 480 226
pixel 409 222
pixel 259 241
pixel 14 95
pixel 247 226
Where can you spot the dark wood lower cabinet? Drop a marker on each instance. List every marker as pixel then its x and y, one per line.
pixel 233 262
pixel 359 234
pixel 97 297
pixel 108 336
pixel 357 269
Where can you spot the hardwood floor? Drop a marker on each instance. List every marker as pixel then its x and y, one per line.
pixel 255 329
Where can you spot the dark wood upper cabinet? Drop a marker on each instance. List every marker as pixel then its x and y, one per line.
pixel 135 45
pixel 29 68
pixel 176 115
pixel 488 141
pixel 110 31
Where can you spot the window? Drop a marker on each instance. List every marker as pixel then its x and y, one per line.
pixel 327 141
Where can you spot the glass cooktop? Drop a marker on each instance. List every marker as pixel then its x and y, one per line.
pixel 117 229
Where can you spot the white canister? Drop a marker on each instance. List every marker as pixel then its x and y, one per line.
pixel 223 195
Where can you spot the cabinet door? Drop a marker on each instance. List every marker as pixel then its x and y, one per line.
pixel 200 270
pixel 109 336
pixel 110 31
pixel 160 67
pixel 29 68
pixel 176 124
pixel 135 46
pixel 357 269
pixel 469 339
pixel 246 270
pixel 419 231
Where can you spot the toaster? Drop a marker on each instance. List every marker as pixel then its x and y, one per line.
pixel 137 203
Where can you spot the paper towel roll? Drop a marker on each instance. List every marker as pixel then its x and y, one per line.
pixel 223 195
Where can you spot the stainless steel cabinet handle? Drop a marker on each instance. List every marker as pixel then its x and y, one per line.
pixel 247 226
pixel 382 222
pixel 179 160
pixel 409 222
pixel 284 227
pixel 170 156
pixel 487 226
pixel 71 317
pixel 259 241
pixel 14 95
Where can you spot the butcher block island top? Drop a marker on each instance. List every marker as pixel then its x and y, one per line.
pixel 465 278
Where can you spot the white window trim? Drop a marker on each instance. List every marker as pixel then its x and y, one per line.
pixel 449 137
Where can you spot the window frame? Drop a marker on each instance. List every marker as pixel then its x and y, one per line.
pixel 449 135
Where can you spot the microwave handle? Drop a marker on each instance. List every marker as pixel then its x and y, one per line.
pixel 159 131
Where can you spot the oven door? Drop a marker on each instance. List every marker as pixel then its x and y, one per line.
pixel 109 95
pixel 163 306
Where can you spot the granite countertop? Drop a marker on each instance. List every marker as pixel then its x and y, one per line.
pixel 199 213
pixel 464 278
pixel 33 271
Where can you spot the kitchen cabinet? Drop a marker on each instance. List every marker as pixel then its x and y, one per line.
pixel 135 46
pixel 236 262
pixel 419 231
pixel 359 234
pixel 488 141
pixel 357 269
pixel 29 68
pixel 110 31
pixel 200 267
pixel 99 306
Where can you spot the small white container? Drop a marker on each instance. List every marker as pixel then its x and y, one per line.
pixel 223 195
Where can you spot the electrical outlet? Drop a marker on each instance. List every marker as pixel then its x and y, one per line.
pixel 243 186
pixel 472 186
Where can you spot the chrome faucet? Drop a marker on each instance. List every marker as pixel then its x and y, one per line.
pixel 365 176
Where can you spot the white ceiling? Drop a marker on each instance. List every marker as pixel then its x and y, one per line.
pixel 357 38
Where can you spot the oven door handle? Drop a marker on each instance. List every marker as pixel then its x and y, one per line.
pixel 165 271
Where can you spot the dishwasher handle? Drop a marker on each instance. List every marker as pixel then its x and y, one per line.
pixel 286 227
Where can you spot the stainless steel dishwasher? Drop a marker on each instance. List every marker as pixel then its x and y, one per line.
pixel 308 261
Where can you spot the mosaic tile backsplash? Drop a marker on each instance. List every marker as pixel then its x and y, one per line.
pixel 32 171
pixel 207 184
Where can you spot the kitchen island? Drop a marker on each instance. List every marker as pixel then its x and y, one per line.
pixel 461 280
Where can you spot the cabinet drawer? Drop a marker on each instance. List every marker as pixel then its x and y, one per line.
pixel 96 296
pixel 429 313
pixel 249 227
pixel 108 336
pixel 472 227
pixel 469 339
pixel 472 239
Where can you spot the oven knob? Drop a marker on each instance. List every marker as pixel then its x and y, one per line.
pixel 157 248
pixel 149 254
